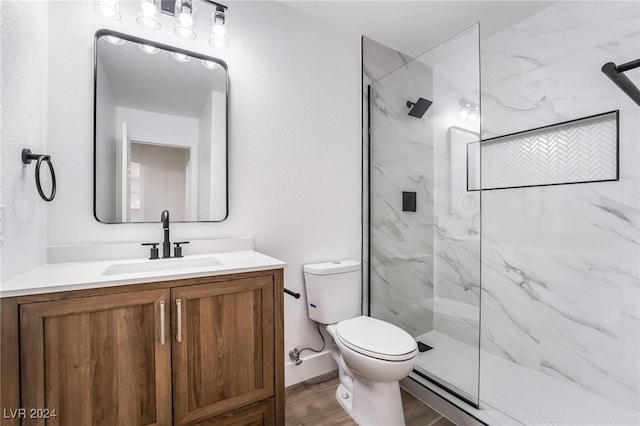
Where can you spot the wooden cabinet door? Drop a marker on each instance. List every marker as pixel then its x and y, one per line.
pixel 259 414
pixel 223 347
pixel 98 360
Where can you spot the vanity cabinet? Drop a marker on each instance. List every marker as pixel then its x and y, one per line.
pixel 223 355
pixel 201 351
pixel 97 360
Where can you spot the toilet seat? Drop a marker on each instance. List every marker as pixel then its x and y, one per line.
pixel 377 339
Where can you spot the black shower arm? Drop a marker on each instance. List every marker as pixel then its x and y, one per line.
pixel 615 73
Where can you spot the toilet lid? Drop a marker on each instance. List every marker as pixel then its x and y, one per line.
pixel 376 338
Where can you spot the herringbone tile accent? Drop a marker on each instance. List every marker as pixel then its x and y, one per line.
pixel 580 151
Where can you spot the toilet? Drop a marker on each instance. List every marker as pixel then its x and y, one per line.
pixel 372 355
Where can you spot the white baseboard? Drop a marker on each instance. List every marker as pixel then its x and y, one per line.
pixel 312 366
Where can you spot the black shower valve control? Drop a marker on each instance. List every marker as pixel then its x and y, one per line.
pixel 177 251
pixel 153 252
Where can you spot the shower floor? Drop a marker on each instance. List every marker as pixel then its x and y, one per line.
pixel 525 395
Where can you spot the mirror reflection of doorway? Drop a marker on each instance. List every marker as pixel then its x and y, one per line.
pixel 158 166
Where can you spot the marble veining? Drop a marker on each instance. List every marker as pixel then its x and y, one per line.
pixel 528 397
pixel 377 61
pixel 401 156
pixel 559 264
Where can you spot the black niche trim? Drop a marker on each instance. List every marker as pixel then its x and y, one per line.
pixel 617 177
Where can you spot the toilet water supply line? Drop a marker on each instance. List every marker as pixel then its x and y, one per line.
pixel 294 353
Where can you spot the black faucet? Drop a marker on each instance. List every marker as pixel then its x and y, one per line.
pixel 166 244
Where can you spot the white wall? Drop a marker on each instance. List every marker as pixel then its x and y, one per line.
pixel 1 139
pixel 158 128
pixel 162 180
pixel 294 138
pixel 23 46
pixel 1 211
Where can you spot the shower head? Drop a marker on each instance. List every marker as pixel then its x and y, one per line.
pixel 419 107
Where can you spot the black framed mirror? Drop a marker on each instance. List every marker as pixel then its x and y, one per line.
pixel 160 132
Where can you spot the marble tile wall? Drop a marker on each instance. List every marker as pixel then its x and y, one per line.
pixel 401 155
pixel 378 60
pixel 561 264
pixel 457 212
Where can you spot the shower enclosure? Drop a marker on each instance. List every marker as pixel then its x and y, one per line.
pixel 425 235
pixel 509 246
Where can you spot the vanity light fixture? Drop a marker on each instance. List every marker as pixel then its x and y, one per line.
pixel 219 28
pixel 210 65
pixel 185 23
pixel 469 110
pixel 464 112
pixel 108 8
pixel 149 14
pixel 184 13
pixel 180 57
pixel 151 50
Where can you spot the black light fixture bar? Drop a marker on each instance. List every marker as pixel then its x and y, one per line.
pixel 615 73
pixel 169 6
pixel 215 3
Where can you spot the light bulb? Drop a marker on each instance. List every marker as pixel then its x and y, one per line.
pixel 219 31
pixel 464 112
pixel 185 22
pixel 108 8
pixel 149 14
pixel 185 19
pixel 473 115
pixel 148 49
pixel 180 57
pixel 210 64
pixel 147 8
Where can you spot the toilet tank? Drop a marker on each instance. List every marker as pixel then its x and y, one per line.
pixel 333 290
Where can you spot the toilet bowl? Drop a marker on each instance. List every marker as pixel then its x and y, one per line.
pixel 372 355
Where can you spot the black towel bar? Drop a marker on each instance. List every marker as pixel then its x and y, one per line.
pixel 622 81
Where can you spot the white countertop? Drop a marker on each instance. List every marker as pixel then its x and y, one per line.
pixel 58 277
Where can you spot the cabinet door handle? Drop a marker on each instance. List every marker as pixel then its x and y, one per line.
pixel 162 322
pixel 179 333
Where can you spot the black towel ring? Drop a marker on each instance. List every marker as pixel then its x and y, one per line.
pixel 27 157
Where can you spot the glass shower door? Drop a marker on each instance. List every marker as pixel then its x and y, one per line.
pixel 424 242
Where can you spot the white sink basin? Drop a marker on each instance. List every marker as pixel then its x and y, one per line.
pixel 159 265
